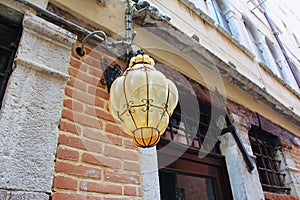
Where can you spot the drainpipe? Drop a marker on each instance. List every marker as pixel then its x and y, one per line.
pixel 232 129
pixel 275 33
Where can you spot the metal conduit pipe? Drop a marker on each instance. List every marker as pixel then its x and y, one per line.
pixel 275 33
pixel 128 20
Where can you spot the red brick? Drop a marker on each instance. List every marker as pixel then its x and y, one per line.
pixel 63 182
pixel 99 102
pixel 80 95
pixel 273 196
pixel 81 119
pixel 93 146
pixel 132 191
pixel 101 160
pixel 67 114
pixel 91 61
pixel 76 83
pixel 99 135
pixel 94 54
pixel 95 72
pixel 70 127
pixel 67 154
pixel 99 92
pixel 80 143
pixel 129 144
pixel 113 151
pixel 69 91
pixel 116 130
pixel 116 198
pixel 131 166
pixel 77 170
pixel 100 187
pixel 78 64
pixel 114 176
pixel 73 105
pixel 70 141
pixel 72 196
pixel 83 76
pixel 99 113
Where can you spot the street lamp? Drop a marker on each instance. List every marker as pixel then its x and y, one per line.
pixel 143 99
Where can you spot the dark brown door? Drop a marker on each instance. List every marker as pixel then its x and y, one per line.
pixel 190 177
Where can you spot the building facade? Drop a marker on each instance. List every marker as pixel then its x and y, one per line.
pixel 235 133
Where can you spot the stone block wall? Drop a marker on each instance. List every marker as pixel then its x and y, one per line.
pixel 95 159
pixel 31 110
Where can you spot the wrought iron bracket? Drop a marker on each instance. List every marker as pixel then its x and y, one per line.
pixel 110 73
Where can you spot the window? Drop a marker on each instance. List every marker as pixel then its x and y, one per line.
pixel 254 44
pixel 10 32
pixel 193 128
pixel 267 149
pixel 219 15
pixel 275 59
pixel 296 73
pixel 296 40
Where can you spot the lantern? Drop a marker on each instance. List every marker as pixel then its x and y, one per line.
pixel 143 99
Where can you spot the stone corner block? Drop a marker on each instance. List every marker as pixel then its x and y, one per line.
pixel 39 25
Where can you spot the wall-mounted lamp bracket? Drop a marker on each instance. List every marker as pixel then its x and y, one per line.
pixel 80 50
pixel 110 73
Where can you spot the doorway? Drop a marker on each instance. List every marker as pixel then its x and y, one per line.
pixel 190 177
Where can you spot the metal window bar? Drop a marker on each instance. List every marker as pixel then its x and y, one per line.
pixel 182 130
pixel 272 162
pixel 266 148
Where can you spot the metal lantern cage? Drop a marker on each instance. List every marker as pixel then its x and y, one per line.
pixel 143 99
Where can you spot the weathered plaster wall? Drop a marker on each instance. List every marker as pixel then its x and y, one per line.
pixel 110 17
pixel 40 3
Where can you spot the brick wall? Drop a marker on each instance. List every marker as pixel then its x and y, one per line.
pixel 295 152
pixel 272 196
pixel 95 159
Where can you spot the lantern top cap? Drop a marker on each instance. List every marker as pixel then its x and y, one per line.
pixel 141 58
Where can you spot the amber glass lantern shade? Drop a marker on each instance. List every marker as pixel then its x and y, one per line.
pixel 143 99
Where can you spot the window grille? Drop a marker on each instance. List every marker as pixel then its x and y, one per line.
pixel 191 130
pixel 267 148
pixel 9 38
